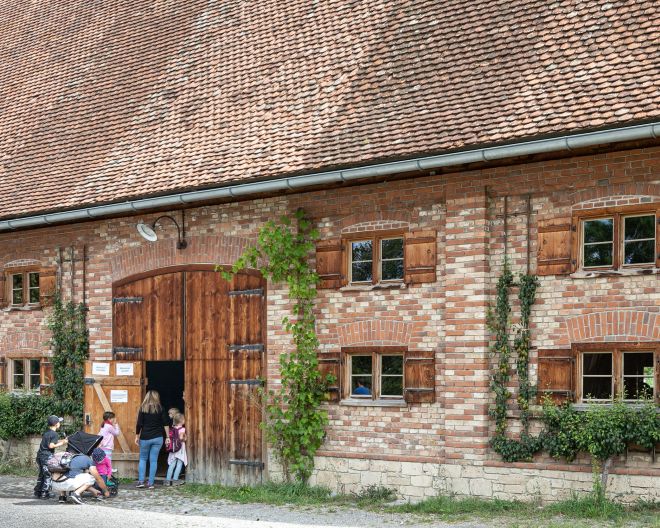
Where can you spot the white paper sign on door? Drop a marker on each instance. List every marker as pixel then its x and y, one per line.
pixel 100 369
pixel 124 369
pixel 118 396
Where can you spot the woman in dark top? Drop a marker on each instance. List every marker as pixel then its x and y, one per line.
pixel 150 431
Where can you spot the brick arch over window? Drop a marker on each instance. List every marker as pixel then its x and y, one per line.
pixel 623 194
pixel 380 332
pixel 375 220
pixel 24 344
pixel 614 325
pixel 162 254
pixel 20 263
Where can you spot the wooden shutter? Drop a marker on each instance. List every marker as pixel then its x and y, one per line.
pixel 419 376
pixel 246 360
pixel 47 285
pixel 46 371
pixel 331 263
pixel 330 363
pixel 3 374
pixel 556 374
pixel 3 291
pixel 555 249
pixel 420 257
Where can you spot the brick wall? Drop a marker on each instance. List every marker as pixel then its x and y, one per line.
pixel 448 316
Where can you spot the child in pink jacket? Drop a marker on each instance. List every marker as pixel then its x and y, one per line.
pixel 109 430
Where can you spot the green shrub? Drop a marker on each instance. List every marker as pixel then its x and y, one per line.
pixel 25 415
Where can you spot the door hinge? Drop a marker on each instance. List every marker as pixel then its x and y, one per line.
pixel 257 347
pixel 252 463
pixel 255 291
pixel 116 300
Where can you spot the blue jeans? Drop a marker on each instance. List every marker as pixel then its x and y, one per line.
pixel 149 450
pixel 174 469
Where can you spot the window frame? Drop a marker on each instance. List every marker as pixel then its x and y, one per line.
pixel 619 215
pixel 618 351
pixel 376 238
pixel 376 353
pixel 27 374
pixel 26 273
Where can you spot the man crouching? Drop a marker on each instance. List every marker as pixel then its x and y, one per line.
pixel 81 477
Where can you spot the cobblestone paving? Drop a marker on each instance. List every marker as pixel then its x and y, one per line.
pixel 18 490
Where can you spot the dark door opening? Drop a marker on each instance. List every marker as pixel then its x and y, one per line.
pixel 166 377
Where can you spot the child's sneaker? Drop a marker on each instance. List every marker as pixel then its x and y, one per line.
pixel 151 486
pixel 61 499
pixel 167 482
pixel 75 498
pixel 178 482
pixel 139 485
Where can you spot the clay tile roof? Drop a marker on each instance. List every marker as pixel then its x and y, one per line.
pixel 101 101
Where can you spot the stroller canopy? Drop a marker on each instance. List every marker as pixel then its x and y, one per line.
pixel 83 443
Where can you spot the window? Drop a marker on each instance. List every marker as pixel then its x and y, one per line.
pixel 25 374
pixel 377 259
pixel 623 370
pixel 375 374
pixel 619 240
pixel 24 288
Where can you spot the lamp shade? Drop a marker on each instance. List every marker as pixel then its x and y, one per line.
pixel 147 232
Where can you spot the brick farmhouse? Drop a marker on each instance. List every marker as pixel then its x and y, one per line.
pixel 428 142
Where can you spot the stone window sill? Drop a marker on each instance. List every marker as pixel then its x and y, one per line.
pixel 377 286
pixel 26 308
pixel 623 272
pixel 373 403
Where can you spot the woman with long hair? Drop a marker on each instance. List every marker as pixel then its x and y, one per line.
pixel 150 431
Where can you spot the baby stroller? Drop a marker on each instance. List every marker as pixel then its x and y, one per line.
pixel 84 443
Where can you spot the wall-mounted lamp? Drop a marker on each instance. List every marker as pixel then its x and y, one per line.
pixel 148 232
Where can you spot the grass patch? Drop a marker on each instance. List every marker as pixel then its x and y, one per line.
pixel 280 493
pixel 453 506
pixel 19 469
pixel 587 507
pixel 577 512
pixel 565 513
pixel 268 493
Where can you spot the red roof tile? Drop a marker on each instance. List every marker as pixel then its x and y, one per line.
pixel 103 101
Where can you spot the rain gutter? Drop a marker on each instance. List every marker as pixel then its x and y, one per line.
pixel 242 190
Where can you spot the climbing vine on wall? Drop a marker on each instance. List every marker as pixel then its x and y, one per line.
pixel 524 447
pixel 70 345
pixel 601 431
pixel 295 423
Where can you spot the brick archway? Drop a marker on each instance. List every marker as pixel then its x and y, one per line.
pixel 614 325
pixel 206 249
pixel 375 332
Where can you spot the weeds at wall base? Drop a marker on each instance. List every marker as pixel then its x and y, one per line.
pixel 378 499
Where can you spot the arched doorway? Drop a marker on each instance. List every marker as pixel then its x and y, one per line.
pixel 199 339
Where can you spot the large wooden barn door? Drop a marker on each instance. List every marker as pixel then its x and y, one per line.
pixel 224 347
pixel 206 373
pixel 218 329
pixel 147 318
pixel 246 353
pixel 116 386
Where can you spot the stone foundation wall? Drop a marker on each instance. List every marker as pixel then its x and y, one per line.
pixel 416 481
pixel 23 451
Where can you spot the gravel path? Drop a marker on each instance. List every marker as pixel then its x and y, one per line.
pixel 164 508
